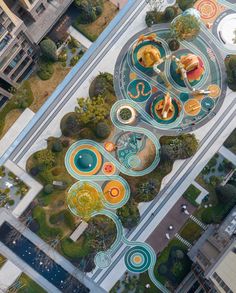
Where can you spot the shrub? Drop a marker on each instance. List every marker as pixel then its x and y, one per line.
pixel 49 49
pixel 46 176
pixel 169 13
pixel 89 10
pixel 185 4
pixel 70 126
pixel 102 130
pixel 48 189
pixel 226 193
pixel 57 146
pixel 45 70
pixel 57 171
pixel 73 50
pixel 129 214
pixel 11 202
pixel 74 60
pixel 162 269
pixel 65 143
pixel 174 45
pixel 230 63
pixel 62 56
pixel 34 171
pixel 86 133
pixel 150 18
pixel 45 157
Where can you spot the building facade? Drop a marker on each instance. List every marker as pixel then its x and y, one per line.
pixel 214 255
pixel 23 24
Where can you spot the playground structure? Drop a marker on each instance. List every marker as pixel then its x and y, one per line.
pixel 165 106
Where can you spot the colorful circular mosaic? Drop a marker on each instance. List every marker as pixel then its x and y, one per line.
pixel 138 259
pixel 215 90
pixel 207 8
pixel 85 160
pixel 139 90
pixel 192 107
pixel 102 259
pixel 114 192
pixel 108 168
pixel 83 199
pixel 157 109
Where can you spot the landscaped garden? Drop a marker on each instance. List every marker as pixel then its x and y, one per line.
pixel 12 189
pixel 144 189
pixel 221 199
pixel 26 285
pixel 94 16
pixel 172 264
pixel 191 194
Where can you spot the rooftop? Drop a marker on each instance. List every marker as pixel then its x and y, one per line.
pixel 48 18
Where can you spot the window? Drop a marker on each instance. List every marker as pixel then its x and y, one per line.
pixel 11 27
pixel 222 283
pixel 40 9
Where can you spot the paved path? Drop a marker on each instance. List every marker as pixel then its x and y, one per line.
pixel 15 130
pixel 9 273
pixel 53 254
pixel 79 37
pixel 203 193
pixel 176 218
pixel 228 154
pixel 119 3
pixel 34 188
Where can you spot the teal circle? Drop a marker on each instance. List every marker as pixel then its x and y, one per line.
pixel 102 259
pixel 157 118
pixel 208 104
pixel 184 97
pixel 141 252
pixel 85 160
pixel 141 87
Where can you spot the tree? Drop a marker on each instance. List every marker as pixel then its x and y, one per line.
pixel 169 13
pixel 102 130
pixel 49 49
pixel 230 63
pixel 45 157
pixel 186 27
pixel 174 45
pixel 146 191
pixel 226 193
pixel 89 10
pixel 129 214
pixel 48 189
pixel 70 125
pixel 92 110
pixel 57 146
pixel 185 4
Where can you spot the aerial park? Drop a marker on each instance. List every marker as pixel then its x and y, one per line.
pixel 171 92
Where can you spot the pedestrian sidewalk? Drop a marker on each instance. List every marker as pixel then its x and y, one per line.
pixel 15 130
pixel 79 37
pixel 34 188
pixel 228 154
pixel 203 193
pixel 9 273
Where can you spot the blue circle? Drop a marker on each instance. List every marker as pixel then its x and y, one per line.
pixel 208 104
pixel 85 160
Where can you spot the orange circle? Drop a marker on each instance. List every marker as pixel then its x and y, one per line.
pixel 81 147
pixel 192 107
pixel 109 146
pixel 132 76
pixel 108 168
pixel 110 188
pixel 137 259
pixel 214 90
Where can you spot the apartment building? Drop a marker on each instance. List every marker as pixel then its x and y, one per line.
pixel 23 24
pixel 215 255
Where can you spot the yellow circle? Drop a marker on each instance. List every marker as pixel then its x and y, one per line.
pixel 114 192
pixel 214 90
pixel 192 107
pixel 132 76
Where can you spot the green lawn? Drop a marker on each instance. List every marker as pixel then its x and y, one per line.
pixel 191 194
pixel 191 231
pixel 29 286
pixel 45 231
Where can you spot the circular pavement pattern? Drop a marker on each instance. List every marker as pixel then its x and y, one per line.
pixel 102 260
pixel 84 159
pixel 138 259
pixel 115 194
pixel 207 8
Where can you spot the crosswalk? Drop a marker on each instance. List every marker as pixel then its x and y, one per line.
pixel 203 226
pixel 184 241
